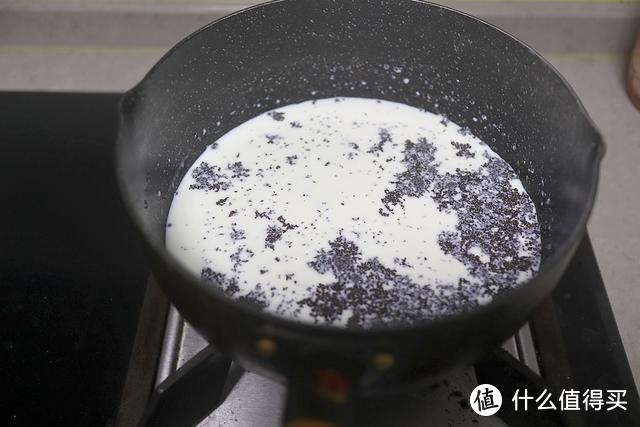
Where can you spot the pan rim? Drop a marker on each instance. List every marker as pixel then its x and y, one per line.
pixel 567 247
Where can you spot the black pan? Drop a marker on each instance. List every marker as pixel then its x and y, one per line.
pixel 459 66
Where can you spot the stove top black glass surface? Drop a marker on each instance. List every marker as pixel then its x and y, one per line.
pixel 71 276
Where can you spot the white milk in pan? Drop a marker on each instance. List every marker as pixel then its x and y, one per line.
pixel 354 212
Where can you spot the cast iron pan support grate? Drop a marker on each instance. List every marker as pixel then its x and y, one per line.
pixel 191 393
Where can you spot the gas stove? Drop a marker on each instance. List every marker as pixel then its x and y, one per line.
pixel 570 343
pixel 92 336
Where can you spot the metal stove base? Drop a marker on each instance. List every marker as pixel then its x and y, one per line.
pixel 258 401
pixel 571 342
